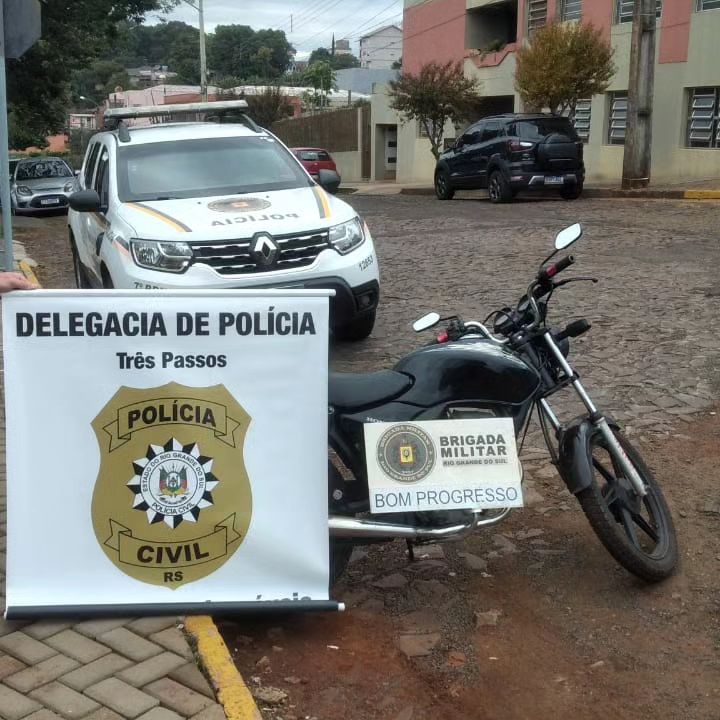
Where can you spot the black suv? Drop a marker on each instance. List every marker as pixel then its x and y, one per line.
pixel 509 153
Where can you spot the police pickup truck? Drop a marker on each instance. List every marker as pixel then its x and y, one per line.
pixel 216 204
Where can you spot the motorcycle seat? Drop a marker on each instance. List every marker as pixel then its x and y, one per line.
pixel 355 390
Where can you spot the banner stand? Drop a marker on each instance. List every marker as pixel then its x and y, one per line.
pixel 216 609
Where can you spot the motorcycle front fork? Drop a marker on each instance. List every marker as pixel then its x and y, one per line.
pixel 596 417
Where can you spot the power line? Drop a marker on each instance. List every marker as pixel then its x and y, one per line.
pixel 367 22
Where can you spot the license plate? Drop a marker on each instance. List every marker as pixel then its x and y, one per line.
pixel 49 201
pixel 442 465
pixel 554 180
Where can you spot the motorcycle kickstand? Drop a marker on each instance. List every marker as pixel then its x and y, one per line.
pixel 411 550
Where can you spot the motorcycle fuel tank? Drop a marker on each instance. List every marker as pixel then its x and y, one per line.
pixel 470 369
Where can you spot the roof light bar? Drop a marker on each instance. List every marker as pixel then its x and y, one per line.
pixel 116 114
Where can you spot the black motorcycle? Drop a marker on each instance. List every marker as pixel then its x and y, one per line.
pixel 471 372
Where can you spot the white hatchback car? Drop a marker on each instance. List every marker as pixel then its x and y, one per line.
pixel 217 205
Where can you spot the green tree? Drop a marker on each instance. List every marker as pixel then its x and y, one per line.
pixel 321 76
pixel 97 80
pixel 562 64
pixel 239 51
pixel 435 95
pixel 337 61
pixel 269 106
pixel 74 34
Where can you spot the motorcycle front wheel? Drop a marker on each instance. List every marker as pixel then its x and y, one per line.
pixel 637 531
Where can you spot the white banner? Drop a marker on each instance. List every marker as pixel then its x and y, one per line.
pixel 442 465
pixel 166 448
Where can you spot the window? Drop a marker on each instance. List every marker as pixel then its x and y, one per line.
pixel 617 121
pixel 44 168
pixel 102 177
pixel 570 10
pixel 708 5
pixel 473 135
pixel 205 167
pixel 582 119
pixel 90 165
pixel 313 155
pixel 537 14
pixel 537 129
pixel 492 130
pixel 703 129
pixel 624 10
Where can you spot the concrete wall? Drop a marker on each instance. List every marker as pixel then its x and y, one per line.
pixel 349 165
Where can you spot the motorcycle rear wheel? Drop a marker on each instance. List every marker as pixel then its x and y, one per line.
pixel 638 532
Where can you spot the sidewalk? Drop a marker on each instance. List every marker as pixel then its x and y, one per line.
pixel 695 190
pixel 119 669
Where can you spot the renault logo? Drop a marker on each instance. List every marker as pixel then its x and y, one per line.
pixel 264 250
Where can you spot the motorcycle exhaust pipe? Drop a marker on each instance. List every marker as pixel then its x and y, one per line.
pixel 349 527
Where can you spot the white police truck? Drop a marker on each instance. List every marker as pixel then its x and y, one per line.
pixel 218 203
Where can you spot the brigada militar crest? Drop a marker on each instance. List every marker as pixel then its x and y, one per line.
pixel 172 501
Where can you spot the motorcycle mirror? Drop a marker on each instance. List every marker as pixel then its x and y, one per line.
pixel 568 236
pixel 426 322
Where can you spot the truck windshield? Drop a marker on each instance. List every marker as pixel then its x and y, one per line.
pixel 206 167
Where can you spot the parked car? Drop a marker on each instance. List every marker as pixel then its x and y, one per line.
pixel 217 205
pixel 314 160
pixel 514 152
pixel 41 184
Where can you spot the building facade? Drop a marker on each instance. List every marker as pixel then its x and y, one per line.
pixel 483 35
pixel 381 48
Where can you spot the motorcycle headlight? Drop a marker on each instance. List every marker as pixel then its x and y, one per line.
pixel 69 186
pixel 159 255
pixel 347 236
pixel 23 190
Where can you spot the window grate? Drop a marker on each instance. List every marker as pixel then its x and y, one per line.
pixel 708 5
pixel 581 121
pixel 537 14
pixel 703 128
pixel 618 118
pixel 571 10
pixel 624 10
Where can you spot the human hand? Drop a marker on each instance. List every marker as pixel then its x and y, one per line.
pixel 14 281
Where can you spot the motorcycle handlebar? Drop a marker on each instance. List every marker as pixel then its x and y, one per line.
pixel 551 271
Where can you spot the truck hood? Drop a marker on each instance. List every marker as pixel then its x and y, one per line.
pixel 236 216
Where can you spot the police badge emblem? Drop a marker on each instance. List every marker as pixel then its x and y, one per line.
pixel 172 501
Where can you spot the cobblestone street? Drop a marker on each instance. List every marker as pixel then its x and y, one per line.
pixel 532 619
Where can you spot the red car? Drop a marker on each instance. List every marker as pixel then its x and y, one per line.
pixel 314 160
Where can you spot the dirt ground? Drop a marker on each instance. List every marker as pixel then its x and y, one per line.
pixel 532 619
pixel 551 628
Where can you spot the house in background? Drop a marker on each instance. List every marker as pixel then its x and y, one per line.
pixel 381 48
pixel 483 35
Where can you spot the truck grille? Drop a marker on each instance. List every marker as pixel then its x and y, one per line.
pixel 233 257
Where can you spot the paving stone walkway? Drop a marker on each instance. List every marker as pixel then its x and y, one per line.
pixel 120 669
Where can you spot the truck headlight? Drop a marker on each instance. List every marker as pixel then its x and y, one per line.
pixel 159 255
pixel 23 190
pixel 348 236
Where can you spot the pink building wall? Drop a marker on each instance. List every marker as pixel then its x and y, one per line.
pixel 433 31
pixel 600 14
pixel 675 31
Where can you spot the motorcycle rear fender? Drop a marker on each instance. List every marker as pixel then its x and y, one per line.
pixel 575 453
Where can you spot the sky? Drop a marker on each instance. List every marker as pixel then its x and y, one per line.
pixel 314 21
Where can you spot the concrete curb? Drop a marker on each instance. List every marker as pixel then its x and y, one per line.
pixel 590 192
pixel 214 656
pixel 28 272
pixel 231 691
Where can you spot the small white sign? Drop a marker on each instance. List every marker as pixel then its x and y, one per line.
pixel 442 465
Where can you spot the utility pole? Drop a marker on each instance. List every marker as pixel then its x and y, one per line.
pixel 638 128
pixel 203 60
